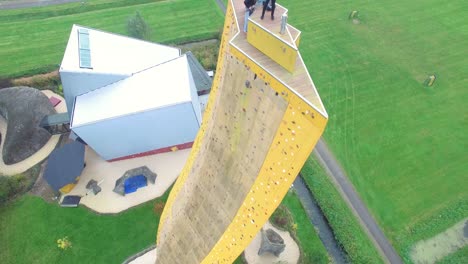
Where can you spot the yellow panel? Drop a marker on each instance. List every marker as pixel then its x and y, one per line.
pixel 298 40
pixel 67 188
pixel 275 48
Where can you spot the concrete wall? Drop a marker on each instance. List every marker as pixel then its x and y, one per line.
pixel 77 83
pixel 141 132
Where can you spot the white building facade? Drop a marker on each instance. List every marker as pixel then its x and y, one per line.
pixel 127 97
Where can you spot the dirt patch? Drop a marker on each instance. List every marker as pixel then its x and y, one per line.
pixel 441 245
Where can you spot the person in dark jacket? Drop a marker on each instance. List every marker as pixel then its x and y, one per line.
pixel 249 8
pixel 273 5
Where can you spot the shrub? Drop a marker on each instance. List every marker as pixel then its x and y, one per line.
pixel 49 81
pixel 346 227
pixel 138 28
pixel 281 218
pixel 11 186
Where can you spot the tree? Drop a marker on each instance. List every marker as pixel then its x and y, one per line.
pixel 138 28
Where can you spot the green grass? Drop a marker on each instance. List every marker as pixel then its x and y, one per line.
pixel 402 144
pixel 346 227
pixel 459 256
pixel 34 40
pixel 30 228
pixel 311 246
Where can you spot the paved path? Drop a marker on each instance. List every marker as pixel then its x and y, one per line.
pixel 221 5
pixel 346 189
pixel 32 3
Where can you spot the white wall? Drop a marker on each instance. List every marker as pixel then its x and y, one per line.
pixel 194 96
pixel 77 83
pixel 141 132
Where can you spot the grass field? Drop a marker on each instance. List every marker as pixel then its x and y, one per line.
pixel 402 144
pixel 30 228
pixel 34 39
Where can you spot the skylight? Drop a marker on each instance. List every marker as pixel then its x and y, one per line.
pixel 84 49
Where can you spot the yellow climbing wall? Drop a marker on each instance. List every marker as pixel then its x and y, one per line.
pixel 255 136
pixel 277 49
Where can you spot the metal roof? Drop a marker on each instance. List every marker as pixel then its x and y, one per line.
pixel 159 86
pixel 200 77
pixel 64 165
pixel 55 119
pixel 111 53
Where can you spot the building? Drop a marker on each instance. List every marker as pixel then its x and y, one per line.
pixel 128 97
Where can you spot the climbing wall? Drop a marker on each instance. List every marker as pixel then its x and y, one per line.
pixel 255 136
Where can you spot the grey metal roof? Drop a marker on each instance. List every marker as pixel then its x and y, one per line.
pixel 200 77
pixel 55 119
pixel 64 165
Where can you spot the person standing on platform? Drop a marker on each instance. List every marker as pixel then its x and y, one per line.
pixel 273 5
pixel 249 8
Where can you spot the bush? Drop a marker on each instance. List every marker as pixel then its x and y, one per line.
pixel 206 54
pixel 48 81
pixel 281 218
pixel 12 186
pixel 346 227
pixel 138 28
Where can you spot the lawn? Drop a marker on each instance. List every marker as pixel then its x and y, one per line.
pixel 33 40
pixel 402 144
pixel 30 227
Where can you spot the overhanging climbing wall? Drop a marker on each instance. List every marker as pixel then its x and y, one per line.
pixel 260 125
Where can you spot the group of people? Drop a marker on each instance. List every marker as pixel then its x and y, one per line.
pixel 250 6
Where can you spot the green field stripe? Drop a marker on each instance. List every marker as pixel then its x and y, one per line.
pixel 25 48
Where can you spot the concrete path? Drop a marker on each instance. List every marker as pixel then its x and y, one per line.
pixel 221 5
pixel 346 189
pixel 166 165
pixel 33 3
pixel 26 164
